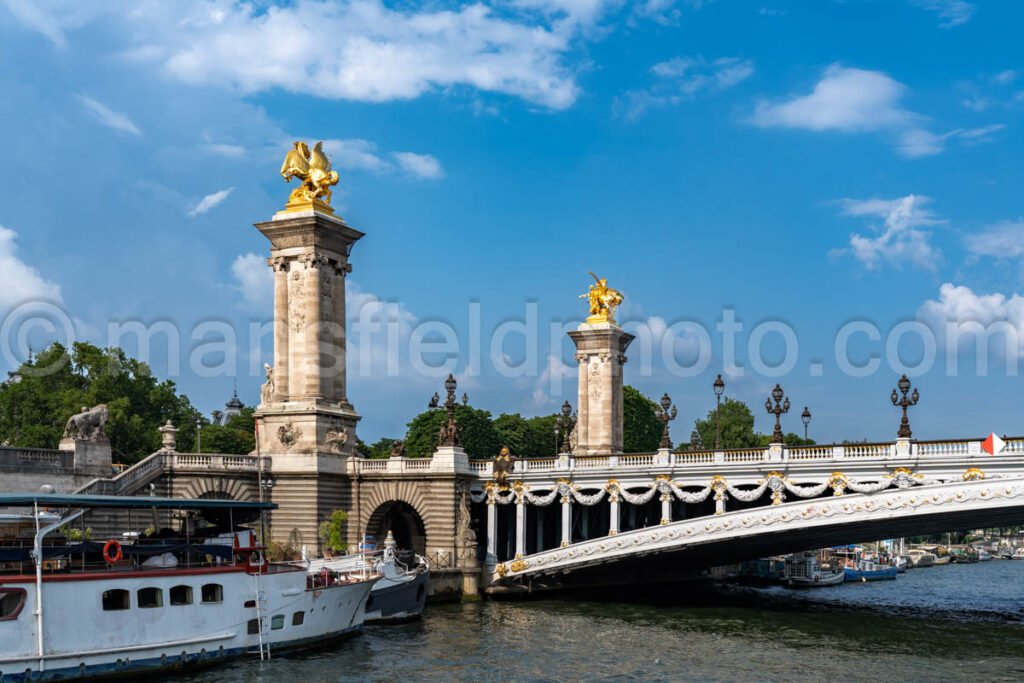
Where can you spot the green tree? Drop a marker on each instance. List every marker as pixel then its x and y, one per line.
pixel 380 449
pixel 60 382
pixel 527 437
pixel 236 436
pixel 478 437
pixel 737 426
pixel 641 428
pixel 332 531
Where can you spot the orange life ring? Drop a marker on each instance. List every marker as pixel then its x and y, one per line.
pixel 116 557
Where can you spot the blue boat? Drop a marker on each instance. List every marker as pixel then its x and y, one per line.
pixel 866 570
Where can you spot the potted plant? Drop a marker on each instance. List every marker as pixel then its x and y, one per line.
pixel 332 533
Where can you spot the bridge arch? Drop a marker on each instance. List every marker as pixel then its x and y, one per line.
pixel 398 507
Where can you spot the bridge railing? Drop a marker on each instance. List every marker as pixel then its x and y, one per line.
pixel 774 455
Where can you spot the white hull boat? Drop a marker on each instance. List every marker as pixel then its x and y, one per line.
pixel 804 571
pixel 399 595
pixel 201 602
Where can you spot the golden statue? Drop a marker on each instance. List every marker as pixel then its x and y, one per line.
pixel 314 170
pixel 603 301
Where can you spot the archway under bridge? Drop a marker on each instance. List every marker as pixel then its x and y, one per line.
pixel 403 521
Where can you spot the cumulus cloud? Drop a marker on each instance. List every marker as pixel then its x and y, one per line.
pixel 22 282
pixel 108 117
pixel 364 155
pixel 209 202
pixel 682 78
pixel 254 281
pixel 951 12
pixel 962 319
pixel 898 240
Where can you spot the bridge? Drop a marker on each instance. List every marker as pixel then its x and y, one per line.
pixel 592 520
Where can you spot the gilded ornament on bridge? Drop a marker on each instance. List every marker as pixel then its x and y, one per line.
pixel 519 565
pixel 974 474
pixel 603 300
pixel 317 176
pixel 501 569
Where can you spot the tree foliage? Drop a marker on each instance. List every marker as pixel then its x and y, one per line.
pixel 332 531
pixel 60 382
pixel 236 435
pixel 478 435
pixel 641 428
pixel 528 437
pixel 738 429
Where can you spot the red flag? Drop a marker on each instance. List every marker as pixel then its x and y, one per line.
pixel 993 444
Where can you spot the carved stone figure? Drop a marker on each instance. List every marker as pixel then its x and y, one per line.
pixel 313 169
pixel 88 425
pixel 573 439
pixel 464 531
pixel 288 435
pixel 335 439
pixel 267 390
pixel 503 464
pixel 603 301
pixel 398 449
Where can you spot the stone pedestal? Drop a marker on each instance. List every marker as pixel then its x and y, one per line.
pixel 305 422
pixel 93 457
pixel 601 353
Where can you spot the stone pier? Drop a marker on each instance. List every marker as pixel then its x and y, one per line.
pixel 601 353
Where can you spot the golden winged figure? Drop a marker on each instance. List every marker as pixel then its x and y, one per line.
pixel 314 170
pixel 603 301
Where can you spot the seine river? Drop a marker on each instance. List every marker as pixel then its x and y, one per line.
pixel 958 622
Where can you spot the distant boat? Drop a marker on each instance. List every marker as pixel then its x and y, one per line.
pixel 901 562
pixel 984 555
pixel 1018 554
pixel 866 570
pixel 920 558
pixel 804 571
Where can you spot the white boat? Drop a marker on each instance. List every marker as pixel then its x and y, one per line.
pixel 401 592
pixel 803 570
pixel 921 558
pixel 79 610
pixel 1018 554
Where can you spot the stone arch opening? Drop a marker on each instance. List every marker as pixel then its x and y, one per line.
pixel 402 520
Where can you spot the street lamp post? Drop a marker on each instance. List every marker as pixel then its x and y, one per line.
pixel 780 408
pixel 449 432
pixel 565 423
pixel 665 414
pixel 719 387
pixel 904 403
pixel 199 435
pixel 806 418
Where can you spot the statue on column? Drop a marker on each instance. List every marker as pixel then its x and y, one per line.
pixel 603 301
pixel 88 425
pixel 503 464
pixel 267 389
pixel 313 169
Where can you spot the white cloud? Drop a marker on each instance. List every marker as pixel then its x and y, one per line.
pixel 980 134
pixel 22 282
pixel 683 78
pixel 209 201
pixel 419 165
pixel 108 117
pixel 898 241
pixel 960 315
pixel 1000 241
pixel 363 50
pixel 255 281
pixel 952 12
pixel 224 150
pixel 845 99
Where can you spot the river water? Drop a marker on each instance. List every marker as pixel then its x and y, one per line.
pixel 957 622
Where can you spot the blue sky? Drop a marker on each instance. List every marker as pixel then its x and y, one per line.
pixel 805 165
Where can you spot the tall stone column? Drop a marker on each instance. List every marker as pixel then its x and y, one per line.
pixel 601 353
pixel 566 520
pixel 492 532
pixel 305 423
pixel 613 513
pixel 520 528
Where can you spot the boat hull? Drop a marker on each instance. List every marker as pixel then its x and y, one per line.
pixel 821 582
pixel 861 575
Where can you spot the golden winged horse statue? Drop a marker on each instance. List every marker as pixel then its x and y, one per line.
pixel 313 169
pixel 603 301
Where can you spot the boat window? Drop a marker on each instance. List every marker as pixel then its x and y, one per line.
pixel 254 626
pixel 116 599
pixel 181 595
pixel 213 592
pixel 150 598
pixel 12 600
pixel 277 623
pixel 298 618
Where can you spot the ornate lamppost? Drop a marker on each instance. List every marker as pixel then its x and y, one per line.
pixel 780 408
pixel 564 423
pixel 448 435
pixel 805 417
pixel 904 402
pixel 695 444
pixel 199 434
pixel 665 414
pixel 719 387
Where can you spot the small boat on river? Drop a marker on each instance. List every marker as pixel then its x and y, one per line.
pixel 856 567
pixel 920 558
pixel 400 594
pixel 804 570
pixel 74 609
